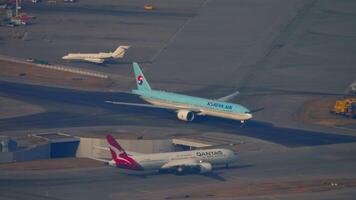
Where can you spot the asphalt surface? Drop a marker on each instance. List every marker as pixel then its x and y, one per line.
pixel 303 48
pixel 71 108
pixel 87 27
pixel 254 168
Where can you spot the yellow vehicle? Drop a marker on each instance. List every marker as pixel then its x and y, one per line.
pixel 346 107
pixel 148 7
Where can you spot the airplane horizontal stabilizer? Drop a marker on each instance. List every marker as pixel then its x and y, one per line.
pixel 132 153
pixel 99 159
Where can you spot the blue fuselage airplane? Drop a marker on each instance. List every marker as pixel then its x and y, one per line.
pixel 187 107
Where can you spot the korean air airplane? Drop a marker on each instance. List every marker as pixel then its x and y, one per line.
pixel 200 161
pixel 187 107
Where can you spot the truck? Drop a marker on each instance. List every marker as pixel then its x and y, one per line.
pixel 345 107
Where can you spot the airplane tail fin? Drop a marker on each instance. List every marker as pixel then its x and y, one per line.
pixel 141 81
pixel 119 156
pixel 115 149
pixel 120 51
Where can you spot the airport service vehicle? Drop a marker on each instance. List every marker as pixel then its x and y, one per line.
pixel 346 107
pixel 98 58
pixel 187 107
pixel 200 161
pixel 37 61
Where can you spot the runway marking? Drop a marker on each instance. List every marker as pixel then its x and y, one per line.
pixel 165 45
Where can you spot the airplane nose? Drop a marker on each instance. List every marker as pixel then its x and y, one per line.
pixel 248 116
pixel 234 156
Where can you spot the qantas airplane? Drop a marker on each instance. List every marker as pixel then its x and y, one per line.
pixel 200 161
pixel 187 107
pixel 97 57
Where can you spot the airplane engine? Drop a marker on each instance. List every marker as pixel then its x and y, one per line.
pixel 185 115
pixel 111 163
pixel 205 167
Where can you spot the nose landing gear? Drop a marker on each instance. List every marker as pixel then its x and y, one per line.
pixel 242 123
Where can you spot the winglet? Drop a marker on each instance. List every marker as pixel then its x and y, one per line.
pixel 141 81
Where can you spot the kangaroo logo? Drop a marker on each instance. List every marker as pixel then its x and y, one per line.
pixel 140 79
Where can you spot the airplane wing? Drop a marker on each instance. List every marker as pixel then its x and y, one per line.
pixel 131 153
pixel 134 104
pixel 204 167
pixel 152 106
pixel 95 60
pixel 229 97
pixel 102 148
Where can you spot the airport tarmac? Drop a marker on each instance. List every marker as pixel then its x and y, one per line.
pixel 70 108
pixel 278 162
pixel 312 170
pixel 279 54
pixel 88 27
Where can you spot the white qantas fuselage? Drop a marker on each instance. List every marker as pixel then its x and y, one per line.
pixel 194 158
pixel 201 161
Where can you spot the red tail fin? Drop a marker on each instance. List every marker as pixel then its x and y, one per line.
pixel 120 157
pixel 115 149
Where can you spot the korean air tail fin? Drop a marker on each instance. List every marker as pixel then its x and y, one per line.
pixel 141 81
pixel 120 51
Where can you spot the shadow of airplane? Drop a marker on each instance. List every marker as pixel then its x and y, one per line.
pixel 144 175
pixel 215 174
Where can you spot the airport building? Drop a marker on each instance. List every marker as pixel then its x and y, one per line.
pixel 61 145
pixel 37 146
